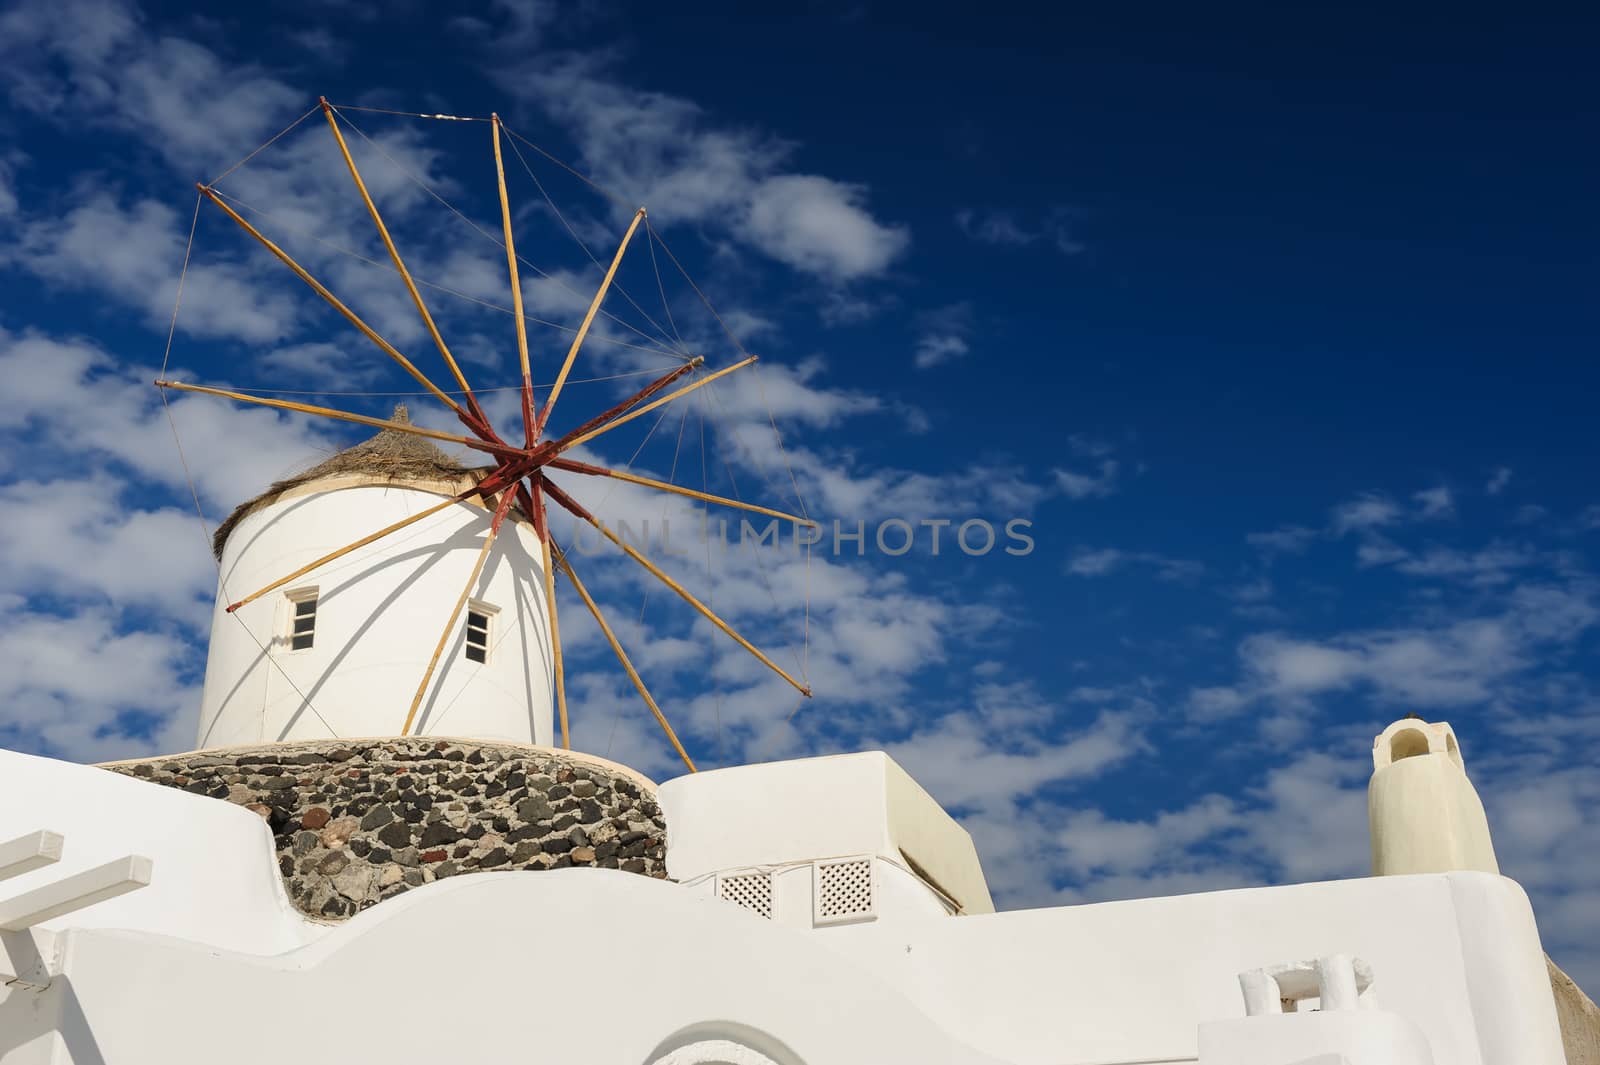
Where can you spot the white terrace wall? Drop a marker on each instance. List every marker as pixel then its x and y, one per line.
pixel 380 612
pixel 1455 954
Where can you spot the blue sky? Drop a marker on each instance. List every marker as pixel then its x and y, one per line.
pixel 1278 328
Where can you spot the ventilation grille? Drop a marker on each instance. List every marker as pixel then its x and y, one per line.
pixel 844 891
pixel 753 891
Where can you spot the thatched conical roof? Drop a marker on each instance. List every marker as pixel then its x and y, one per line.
pixel 392 456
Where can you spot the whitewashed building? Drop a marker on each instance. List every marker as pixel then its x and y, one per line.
pixel 294 892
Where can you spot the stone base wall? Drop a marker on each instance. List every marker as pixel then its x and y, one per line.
pixel 359 821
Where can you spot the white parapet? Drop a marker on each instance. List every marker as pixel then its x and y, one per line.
pixel 821 841
pixel 61 897
pixel 27 853
pixel 1342 1037
pixel 217 882
pixel 1336 981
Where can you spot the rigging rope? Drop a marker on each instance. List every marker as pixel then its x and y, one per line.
pixel 194 492
pixel 579 240
pixel 408 114
pixel 263 147
pixel 654 348
pixel 425 187
pixel 650 242
pixel 586 179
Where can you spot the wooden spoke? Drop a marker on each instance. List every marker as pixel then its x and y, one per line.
pixel 399 264
pixel 577 511
pixel 574 441
pixel 337 304
pixel 346 416
pixel 588 320
pixel 534 500
pixel 363 542
pixel 530 431
pixel 573 466
pixel 555 447
pixel 622 656
pixel 449 626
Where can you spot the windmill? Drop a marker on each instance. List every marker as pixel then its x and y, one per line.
pixel 521 462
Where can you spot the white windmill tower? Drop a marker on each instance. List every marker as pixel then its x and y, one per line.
pixel 338 648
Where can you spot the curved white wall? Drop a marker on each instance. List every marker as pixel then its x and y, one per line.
pixel 380 611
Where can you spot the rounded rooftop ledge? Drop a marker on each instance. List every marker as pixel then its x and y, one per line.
pixel 357 821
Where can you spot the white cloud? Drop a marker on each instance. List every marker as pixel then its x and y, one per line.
pixel 79 686
pixel 1364 513
pixel 994 227
pixel 819 226
pixel 1498 480
pixel 94 63
pixel 935 349
pixel 10 163
pixel 1458 662
pixel 134 252
pixel 320 364
pixel 943 335
pixel 664 151
pixel 71 397
pixel 1368 513
pixel 1494 564
pixel 1436 502
pixel 1006 229
pixel 1288 540
pixel 1077 485
pixel 1101 562
pixel 53 545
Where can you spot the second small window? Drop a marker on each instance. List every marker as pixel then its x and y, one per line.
pixel 479 618
pixel 303 620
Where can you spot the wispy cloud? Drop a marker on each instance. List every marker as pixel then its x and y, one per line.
pixel 96 63
pixel 1102 481
pixel 1007 229
pixel 1436 502
pixel 943 335
pixel 1287 540
pixel 665 151
pixel 1102 562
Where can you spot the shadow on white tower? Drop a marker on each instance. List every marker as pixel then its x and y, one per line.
pixel 341 651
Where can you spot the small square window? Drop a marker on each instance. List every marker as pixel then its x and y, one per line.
pixel 479 619
pixel 302 619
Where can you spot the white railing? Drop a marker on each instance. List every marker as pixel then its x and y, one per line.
pixel 20 913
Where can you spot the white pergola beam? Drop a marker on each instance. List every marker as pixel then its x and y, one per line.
pixel 30 852
pixel 75 892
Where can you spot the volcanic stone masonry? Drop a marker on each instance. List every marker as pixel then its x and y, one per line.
pixel 359 821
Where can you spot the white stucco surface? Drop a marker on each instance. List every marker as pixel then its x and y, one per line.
pixel 210 960
pixel 462 971
pixel 215 877
pixel 380 613
pixel 780 812
pixel 1455 954
pixel 1368 1037
pixel 1424 814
